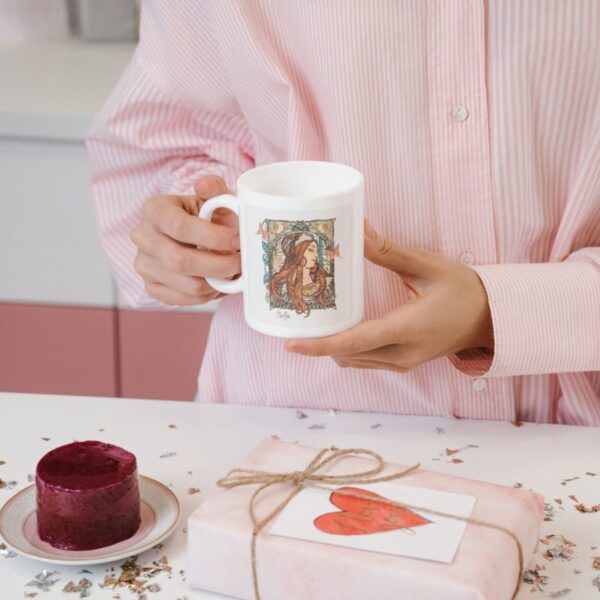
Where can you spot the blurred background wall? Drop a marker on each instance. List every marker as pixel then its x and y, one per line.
pixel 63 327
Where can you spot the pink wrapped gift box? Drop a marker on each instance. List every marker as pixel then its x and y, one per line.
pixel 486 564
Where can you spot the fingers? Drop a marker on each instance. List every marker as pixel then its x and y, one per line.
pixel 168 215
pixel 404 357
pixel 151 270
pixel 172 297
pixel 365 336
pixel 184 259
pixel 370 364
pixel 210 185
pixel 402 260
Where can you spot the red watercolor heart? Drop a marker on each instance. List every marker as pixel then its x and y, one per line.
pixel 359 516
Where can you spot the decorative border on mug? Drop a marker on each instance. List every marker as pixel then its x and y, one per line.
pixel 299 264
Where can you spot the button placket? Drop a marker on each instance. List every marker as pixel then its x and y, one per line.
pixel 466 258
pixel 460 113
pixel 479 385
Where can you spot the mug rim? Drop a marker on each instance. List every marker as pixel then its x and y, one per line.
pixel 359 179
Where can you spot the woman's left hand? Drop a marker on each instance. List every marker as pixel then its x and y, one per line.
pixel 448 312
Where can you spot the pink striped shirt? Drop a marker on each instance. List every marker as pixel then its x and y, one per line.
pixel 477 127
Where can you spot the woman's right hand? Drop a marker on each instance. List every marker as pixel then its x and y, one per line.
pixel 172 267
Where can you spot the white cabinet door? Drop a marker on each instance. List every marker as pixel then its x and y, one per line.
pixel 49 247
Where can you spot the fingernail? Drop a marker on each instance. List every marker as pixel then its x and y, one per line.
pixel 369 231
pixel 236 242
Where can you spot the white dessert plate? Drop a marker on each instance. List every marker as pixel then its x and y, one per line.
pixel 160 513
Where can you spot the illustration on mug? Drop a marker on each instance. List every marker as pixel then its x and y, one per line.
pixel 298 259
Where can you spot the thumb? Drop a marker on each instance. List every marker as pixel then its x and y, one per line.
pixel 401 259
pixel 210 185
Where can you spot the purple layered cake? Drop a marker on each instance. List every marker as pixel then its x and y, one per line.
pixel 87 496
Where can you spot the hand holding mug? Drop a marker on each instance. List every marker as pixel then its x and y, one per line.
pixel 447 313
pixel 174 270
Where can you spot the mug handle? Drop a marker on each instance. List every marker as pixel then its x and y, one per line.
pixel 226 286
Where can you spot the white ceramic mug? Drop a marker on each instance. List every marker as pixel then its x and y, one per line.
pixel 301 244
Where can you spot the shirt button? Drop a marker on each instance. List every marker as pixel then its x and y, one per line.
pixel 466 258
pixel 479 385
pixel 460 113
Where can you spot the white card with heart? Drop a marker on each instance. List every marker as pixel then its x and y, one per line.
pixel 370 524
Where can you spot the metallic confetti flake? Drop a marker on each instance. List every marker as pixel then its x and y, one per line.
pixel 184 530
pixel 577 571
pixel 46 439
pixel 587 473
pixel 2 462
pixel 101 429
pixel 582 508
pixel 518 485
pixel 85 571
pixel 562 549
pixel 565 481
pixel 517 423
pixel 548 512
pixel 42 581
pixel 135 576
pixel 109 581
pixel 596 562
pixel 30 478
pixel 560 593
pixel 317 426
pixel 573 497
pixel 596 582
pixel 7 485
pixel 168 454
pixel 440 430
pixel 457 460
pixel 332 412
pixel 6 552
pixel 193 490
pixel 301 415
pixel 376 426
pixel 535 577
pixel 172 426
pixel 30 594
pixel 158 546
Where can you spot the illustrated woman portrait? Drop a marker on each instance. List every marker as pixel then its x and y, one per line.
pixel 302 280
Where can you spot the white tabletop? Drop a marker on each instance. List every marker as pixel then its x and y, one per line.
pixel 52 90
pixel 210 439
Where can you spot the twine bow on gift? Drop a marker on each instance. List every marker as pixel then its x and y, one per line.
pixel 312 477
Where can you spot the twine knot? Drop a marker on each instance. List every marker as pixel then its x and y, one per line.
pixel 297 477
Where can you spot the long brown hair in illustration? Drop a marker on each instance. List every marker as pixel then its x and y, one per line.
pixel 294 246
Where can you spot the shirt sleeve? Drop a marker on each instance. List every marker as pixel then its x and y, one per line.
pixel 546 318
pixel 171 119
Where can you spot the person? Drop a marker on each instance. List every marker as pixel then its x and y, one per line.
pixel 476 126
pixel 302 275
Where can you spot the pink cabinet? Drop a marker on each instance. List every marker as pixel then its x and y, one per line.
pixel 160 353
pixel 57 350
pixel 100 351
